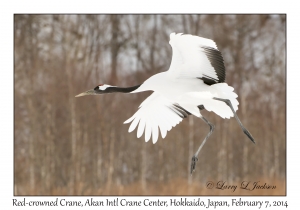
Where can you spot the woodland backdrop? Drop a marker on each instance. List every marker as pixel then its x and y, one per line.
pixel 79 146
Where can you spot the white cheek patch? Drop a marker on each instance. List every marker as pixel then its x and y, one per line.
pixel 103 87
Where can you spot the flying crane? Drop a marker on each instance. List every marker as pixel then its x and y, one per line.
pixel 194 81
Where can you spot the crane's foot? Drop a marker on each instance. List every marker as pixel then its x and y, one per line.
pixel 193 164
pixel 249 135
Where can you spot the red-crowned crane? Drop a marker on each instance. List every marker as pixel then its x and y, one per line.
pixel 194 81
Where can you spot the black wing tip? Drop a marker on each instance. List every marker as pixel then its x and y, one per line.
pixel 216 60
pixel 208 80
pixel 201 107
pixel 181 112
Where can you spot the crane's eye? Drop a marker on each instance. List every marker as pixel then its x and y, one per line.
pixel 101 87
pixel 98 87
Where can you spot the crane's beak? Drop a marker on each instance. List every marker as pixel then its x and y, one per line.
pixel 89 92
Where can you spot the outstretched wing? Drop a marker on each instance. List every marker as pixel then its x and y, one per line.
pixel 196 57
pixel 156 112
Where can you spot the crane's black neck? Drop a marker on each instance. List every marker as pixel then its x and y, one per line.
pixel 115 89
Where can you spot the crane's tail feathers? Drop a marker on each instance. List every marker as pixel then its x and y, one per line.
pixel 222 90
pixel 205 98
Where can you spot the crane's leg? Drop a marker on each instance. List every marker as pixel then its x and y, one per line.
pixel 195 157
pixel 228 102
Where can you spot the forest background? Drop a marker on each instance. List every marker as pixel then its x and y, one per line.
pixel 79 146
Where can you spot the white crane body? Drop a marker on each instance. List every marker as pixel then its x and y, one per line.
pixel 194 81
